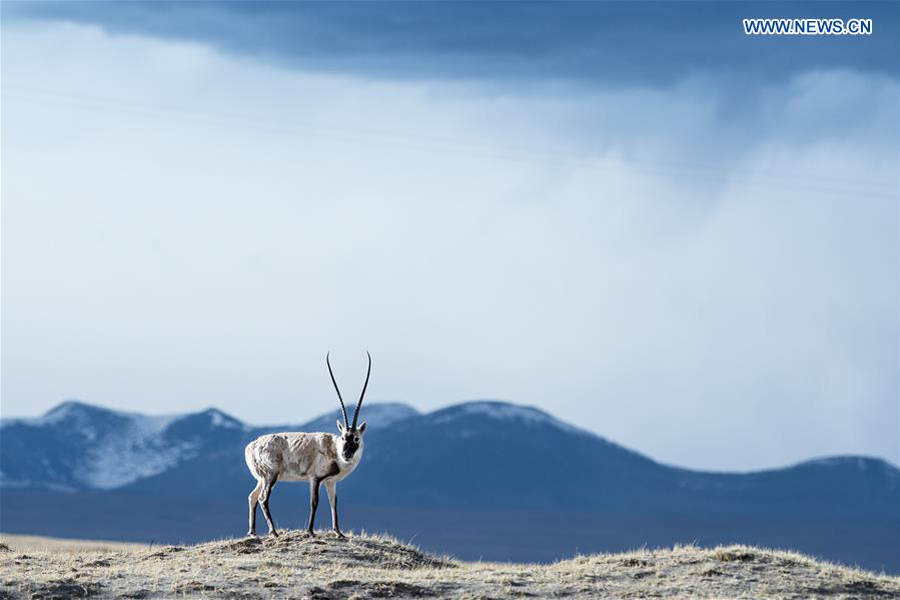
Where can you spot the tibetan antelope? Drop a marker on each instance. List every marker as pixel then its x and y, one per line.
pixel 314 457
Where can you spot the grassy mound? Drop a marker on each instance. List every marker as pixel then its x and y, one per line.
pixel 374 566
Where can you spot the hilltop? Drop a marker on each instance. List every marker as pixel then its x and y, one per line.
pixel 368 566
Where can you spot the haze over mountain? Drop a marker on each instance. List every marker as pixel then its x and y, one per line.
pixel 475 479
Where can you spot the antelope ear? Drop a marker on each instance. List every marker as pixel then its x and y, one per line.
pixel 362 428
pixel 340 426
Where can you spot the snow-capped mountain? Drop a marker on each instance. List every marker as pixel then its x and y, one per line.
pixel 77 446
pixel 498 447
pixel 486 466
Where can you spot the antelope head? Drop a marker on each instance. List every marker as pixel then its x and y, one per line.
pixel 351 439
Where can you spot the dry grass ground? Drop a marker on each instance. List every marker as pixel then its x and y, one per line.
pixel 367 566
pixel 36 543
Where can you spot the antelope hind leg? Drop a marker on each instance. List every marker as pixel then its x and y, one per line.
pixel 266 494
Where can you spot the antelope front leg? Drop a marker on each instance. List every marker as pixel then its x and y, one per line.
pixel 332 500
pixel 253 499
pixel 313 504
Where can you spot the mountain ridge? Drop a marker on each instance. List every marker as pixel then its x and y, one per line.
pixel 385 413
pixel 482 479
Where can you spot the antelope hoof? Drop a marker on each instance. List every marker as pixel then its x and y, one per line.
pixel 310 533
pixel 273 534
pixel 251 533
pixel 337 533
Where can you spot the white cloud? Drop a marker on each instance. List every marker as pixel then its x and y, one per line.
pixel 712 282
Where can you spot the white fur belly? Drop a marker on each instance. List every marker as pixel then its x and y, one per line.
pixel 286 476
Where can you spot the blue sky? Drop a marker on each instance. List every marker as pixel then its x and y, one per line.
pixel 630 214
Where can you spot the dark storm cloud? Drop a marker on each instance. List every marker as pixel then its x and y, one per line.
pixel 644 43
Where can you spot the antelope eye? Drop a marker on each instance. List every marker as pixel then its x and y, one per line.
pixel 356 439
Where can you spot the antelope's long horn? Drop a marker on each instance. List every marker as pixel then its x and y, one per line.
pixel 330 372
pixel 365 385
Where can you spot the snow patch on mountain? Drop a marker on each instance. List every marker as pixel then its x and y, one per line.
pixel 119 447
pixel 385 413
pixel 62 412
pixel 503 411
pixel 220 420
pixel 65 411
pixel 126 460
pixel 499 410
pixel 149 426
pixel 133 452
pixel 376 415
pixel 140 450
pixel 860 463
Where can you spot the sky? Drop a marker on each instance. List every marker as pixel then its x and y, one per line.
pixel 630 215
